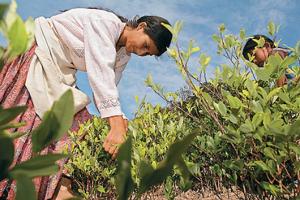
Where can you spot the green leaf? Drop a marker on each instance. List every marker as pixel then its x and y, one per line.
pixel 256 106
pixel 169 27
pixel 149 80
pixel 272 94
pixel 175 29
pixel 151 178
pixel 25 188
pixel 11 15
pixel 262 165
pixel 3 9
pixel 236 165
pixel 101 189
pixel 284 97
pixel 204 60
pixel 264 73
pixel 221 108
pixel 7 115
pixel 271 28
pixel 260 42
pixel 145 169
pixel 222 28
pixel 12 125
pixel 16 135
pixel 269 152
pixel 296 149
pixel 124 182
pixel 277 126
pixel 247 127
pixel 288 61
pixel 55 122
pixel 6 155
pixel 267 119
pixel 275 60
pixel 41 165
pixel 233 119
pixel 216 38
pixel 172 52
pixel 46 132
pixel 257 119
pixel 30 29
pixel 234 102
pixel 193 49
pixel 17 37
pixel 294 128
pixel 242 34
pixel 273 189
pixel 229 41
pixel 64 111
pixel 297 49
pixel 185 173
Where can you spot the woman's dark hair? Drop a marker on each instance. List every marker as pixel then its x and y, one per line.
pixel 157 32
pixel 160 35
pixel 251 44
pixel 123 19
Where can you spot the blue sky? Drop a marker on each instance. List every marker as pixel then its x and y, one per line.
pixel 201 19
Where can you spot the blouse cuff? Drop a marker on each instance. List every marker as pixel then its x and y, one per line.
pixel 112 111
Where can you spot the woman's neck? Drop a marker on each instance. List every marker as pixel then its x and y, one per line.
pixel 123 38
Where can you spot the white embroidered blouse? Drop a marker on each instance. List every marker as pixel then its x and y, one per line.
pixel 91 36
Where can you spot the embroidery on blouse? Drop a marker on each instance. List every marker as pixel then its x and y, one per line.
pixel 108 103
pixel 79 52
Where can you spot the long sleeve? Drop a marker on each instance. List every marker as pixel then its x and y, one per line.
pixel 119 72
pixel 100 37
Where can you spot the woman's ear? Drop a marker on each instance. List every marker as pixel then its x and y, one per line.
pixel 142 25
pixel 268 46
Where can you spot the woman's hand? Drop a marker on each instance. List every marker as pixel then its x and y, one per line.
pixel 116 135
pixel 281 81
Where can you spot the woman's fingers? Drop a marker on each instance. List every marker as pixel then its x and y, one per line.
pixel 110 146
pixel 114 155
pixel 106 144
pixel 112 149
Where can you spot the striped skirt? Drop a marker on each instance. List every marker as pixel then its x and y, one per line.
pixel 14 93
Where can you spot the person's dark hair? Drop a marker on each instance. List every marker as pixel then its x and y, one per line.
pixel 160 35
pixel 251 44
pixel 157 32
pixel 123 19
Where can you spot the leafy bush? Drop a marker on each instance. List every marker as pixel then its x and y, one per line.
pixel 93 170
pixel 247 128
pixel 255 145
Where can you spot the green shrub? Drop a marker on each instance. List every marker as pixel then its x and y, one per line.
pixel 254 143
pixel 90 166
pixel 153 131
pixel 247 128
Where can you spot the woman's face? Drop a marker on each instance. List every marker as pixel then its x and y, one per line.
pixel 262 54
pixel 139 43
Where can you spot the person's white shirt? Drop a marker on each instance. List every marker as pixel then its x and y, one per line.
pixel 90 36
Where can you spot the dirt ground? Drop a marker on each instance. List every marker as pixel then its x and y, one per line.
pixel 158 194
